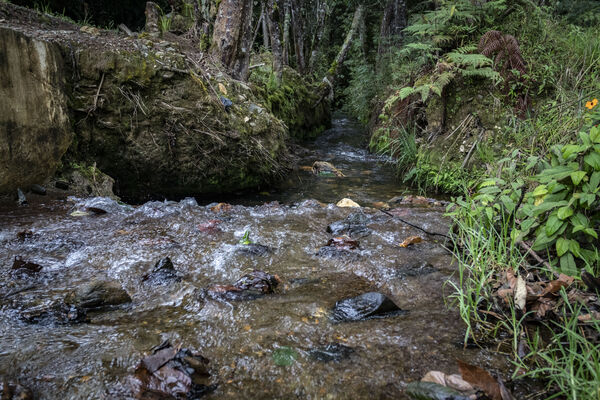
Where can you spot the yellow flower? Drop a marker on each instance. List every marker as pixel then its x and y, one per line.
pixel 591 104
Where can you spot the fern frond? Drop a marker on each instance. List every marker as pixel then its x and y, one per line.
pixel 469 60
pixel 405 92
pixel 487 73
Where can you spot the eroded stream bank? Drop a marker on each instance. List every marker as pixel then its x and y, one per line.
pixel 269 347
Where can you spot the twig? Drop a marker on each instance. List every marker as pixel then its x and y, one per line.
pixel 97 94
pixel 414 226
pixel 468 157
pixel 529 250
pixel 256 66
pixel 125 29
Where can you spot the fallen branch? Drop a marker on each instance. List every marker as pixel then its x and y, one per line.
pixel 125 29
pixel 529 250
pixel 26 288
pixel 415 226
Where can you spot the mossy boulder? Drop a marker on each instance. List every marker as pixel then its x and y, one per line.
pixel 295 100
pixel 161 129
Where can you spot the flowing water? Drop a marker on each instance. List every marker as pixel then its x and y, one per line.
pixel 241 338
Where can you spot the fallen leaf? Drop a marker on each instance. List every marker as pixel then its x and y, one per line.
pixel 521 294
pixel 452 381
pixel 343 243
pixel 85 378
pixel 122 232
pixel 480 378
pixel 222 88
pixel 306 168
pixel 410 241
pixel 221 207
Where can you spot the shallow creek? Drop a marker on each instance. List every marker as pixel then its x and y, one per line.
pixel 241 338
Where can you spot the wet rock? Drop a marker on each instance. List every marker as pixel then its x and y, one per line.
pixel 334 252
pixel 98 294
pixel 38 189
pixel 253 249
pixel 226 103
pixel 415 269
pixel 90 181
pixel 26 234
pixel 331 352
pixel 56 313
pixel 25 266
pixel 163 273
pixel 355 225
pixel 10 390
pixel 325 168
pixel 342 243
pixel 249 287
pixel 347 203
pixel 366 306
pixel 210 226
pixel 62 185
pixel 171 373
pixel 433 391
pixel 21 199
pixel 99 205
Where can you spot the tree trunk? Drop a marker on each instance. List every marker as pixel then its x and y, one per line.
pixel 265 29
pixel 318 35
pixel 298 25
pixel 273 22
pixel 286 32
pixel 392 25
pixel 232 36
pixel 359 14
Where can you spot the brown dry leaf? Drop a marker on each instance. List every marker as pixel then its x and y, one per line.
pixel 410 241
pixel 521 294
pixel 542 306
pixel 85 378
pixel 381 204
pixel 222 88
pixel 306 168
pixel 451 381
pixel 122 232
pixel 511 278
pixel 592 316
pixel 481 379
pixel 221 207
pixel 505 294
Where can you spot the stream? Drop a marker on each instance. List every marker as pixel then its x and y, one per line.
pixel 267 347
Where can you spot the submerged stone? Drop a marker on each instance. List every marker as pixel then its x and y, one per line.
pixel 163 273
pixel 98 294
pixel 366 306
pixel 249 287
pixel 21 199
pixel 331 352
pixel 38 189
pixel 414 269
pixel 12 390
pixel 253 249
pixel 433 391
pixel 355 225
pixel 54 314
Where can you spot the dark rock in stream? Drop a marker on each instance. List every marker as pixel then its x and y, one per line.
pixel 249 287
pixel 54 314
pixel 10 390
pixel 253 249
pixel 414 269
pixel 171 373
pixel 38 189
pixel 163 273
pixel 366 306
pixel 62 185
pixel 332 352
pixel 100 205
pixel 355 225
pixel 98 294
pixel 21 265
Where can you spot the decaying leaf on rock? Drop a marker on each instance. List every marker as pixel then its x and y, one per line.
pixel 410 241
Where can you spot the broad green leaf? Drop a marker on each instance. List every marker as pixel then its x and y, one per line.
pixel 595 181
pixel 564 212
pixel 508 203
pixel 567 264
pixel 576 177
pixel 562 246
pixel 487 182
pixel 540 191
pixel 546 206
pixel 557 173
pixel 585 138
pixel 553 225
pixel 574 248
pixel 571 149
pixel 590 232
pixel 593 160
pixel 542 241
pixel 595 134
